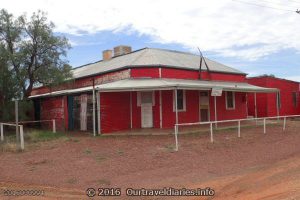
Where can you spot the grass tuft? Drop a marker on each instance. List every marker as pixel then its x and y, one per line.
pixel 87 151
pixel 103 182
pixel 100 158
pixel 43 135
pixel 72 180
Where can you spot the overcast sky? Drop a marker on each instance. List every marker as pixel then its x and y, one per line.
pixel 257 40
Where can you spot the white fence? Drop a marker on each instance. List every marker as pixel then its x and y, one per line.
pixel 234 120
pixel 51 120
pixel 22 130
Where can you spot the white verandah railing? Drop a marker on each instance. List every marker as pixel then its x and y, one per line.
pixel 226 121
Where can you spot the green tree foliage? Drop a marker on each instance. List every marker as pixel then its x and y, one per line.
pixel 31 53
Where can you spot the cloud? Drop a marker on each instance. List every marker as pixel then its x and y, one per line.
pixel 228 28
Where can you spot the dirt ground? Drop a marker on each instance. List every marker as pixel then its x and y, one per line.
pixel 255 166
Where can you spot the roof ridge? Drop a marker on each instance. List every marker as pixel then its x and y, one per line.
pixel 110 59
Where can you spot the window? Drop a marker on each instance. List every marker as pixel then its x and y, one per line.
pixel 278 99
pixel 295 99
pixel 230 100
pixel 180 101
pixel 145 97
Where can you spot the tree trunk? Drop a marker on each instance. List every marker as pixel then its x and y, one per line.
pixel 28 91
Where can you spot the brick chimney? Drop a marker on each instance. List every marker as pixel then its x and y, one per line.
pixel 107 54
pixel 121 50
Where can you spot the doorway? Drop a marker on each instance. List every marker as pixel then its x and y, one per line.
pixel 204 106
pixel 147 109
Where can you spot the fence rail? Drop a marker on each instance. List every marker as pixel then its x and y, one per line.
pixel 22 130
pixel 38 121
pixel 21 133
pixel 176 126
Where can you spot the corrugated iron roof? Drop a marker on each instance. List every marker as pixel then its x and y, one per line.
pixel 151 57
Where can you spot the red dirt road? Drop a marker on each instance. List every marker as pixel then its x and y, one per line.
pixel 255 166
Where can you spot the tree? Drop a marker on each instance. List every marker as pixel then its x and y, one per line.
pixel 34 54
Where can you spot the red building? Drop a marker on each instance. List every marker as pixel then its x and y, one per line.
pixel 286 100
pixel 137 89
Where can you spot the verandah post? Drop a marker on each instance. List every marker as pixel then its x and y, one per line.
pixel 176 123
pixel 215 102
pixel 239 128
pixel 98 109
pixel 265 125
pixel 176 139
pixel 211 133
pixel 21 136
pixel 1 130
pixel 53 126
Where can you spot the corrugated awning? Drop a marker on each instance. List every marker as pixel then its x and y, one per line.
pixel 163 84
pixel 167 84
pixel 63 92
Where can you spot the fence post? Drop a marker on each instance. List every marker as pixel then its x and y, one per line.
pixel 1 130
pixel 176 139
pixel 284 123
pixel 21 136
pixel 265 125
pixel 239 128
pixel 54 126
pixel 211 133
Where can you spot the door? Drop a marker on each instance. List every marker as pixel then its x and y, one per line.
pixel 146 109
pixel 204 106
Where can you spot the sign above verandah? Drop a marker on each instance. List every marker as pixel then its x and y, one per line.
pixel 216 92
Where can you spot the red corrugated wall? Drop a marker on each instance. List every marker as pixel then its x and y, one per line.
pixel 190 115
pixel 115 111
pixel 145 72
pixel 240 111
pixel 286 89
pixel 266 103
pixel 188 74
pixel 53 108
pixel 261 99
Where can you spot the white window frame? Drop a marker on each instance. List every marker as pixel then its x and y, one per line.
pixel 184 102
pixel 233 99
pixel 139 98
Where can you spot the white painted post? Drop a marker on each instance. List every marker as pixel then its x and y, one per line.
pixel 176 139
pixel 211 133
pixel 53 126
pixel 1 130
pixel 265 125
pixel 284 123
pixel 99 112
pixel 239 128
pixel 216 117
pixel 21 136
pixel 176 109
